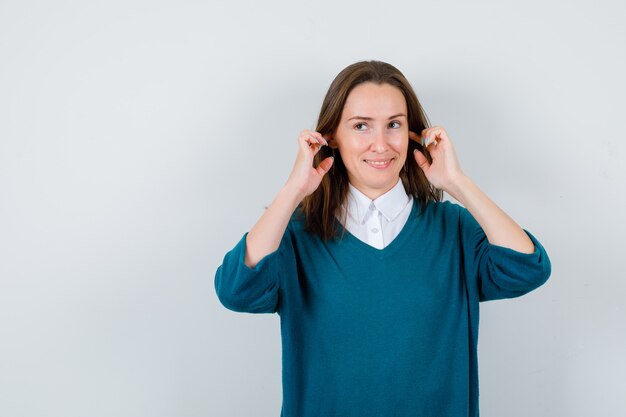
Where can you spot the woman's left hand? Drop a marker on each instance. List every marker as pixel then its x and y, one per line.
pixel 444 171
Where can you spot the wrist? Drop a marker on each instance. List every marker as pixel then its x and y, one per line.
pixel 292 194
pixel 458 187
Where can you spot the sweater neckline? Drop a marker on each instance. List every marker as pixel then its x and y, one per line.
pixel 406 231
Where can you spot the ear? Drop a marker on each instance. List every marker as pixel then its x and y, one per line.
pixel 332 143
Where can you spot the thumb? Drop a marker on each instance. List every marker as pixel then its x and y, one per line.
pixel 325 165
pixel 421 160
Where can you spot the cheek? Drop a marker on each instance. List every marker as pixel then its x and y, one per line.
pixel 346 152
pixel 400 143
pixel 352 147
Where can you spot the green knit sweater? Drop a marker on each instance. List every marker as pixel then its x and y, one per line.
pixel 381 332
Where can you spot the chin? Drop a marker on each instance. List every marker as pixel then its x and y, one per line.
pixel 381 184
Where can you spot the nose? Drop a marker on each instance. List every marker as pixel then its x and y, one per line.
pixel 379 142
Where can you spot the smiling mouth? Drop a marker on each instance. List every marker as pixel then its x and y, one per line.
pixel 378 163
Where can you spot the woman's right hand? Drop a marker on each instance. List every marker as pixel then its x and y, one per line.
pixel 304 177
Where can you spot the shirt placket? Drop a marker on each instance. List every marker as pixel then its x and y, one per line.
pixel 374 227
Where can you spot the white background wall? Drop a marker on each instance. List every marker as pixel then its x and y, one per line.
pixel 140 139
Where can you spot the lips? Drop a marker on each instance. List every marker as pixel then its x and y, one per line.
pixel 378 163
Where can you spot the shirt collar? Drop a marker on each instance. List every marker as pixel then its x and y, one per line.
pixel 389 204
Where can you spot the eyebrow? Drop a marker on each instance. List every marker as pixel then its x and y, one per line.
pixel 370 118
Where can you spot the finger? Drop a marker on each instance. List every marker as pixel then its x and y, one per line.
pixel 309 141
pixel 428 139
pixel 308 134
pixel 322 139
pixel 303 143
pixel 312 140
pixel 315 145
pixel 434 134
pixel 325 165
pixel 424 137
pixel 414 136
pixel 308 145
pixel 421 160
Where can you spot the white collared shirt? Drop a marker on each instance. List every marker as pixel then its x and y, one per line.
pixel 377 222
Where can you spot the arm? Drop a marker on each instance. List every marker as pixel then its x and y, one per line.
pixel 500 229
pixel 264 238
pixel 445 173
pixel 496 272
pixel 503 260
pixel 249 278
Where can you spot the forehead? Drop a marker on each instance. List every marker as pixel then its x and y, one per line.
pixel 372 100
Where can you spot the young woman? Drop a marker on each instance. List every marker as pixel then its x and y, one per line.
pixel 377 281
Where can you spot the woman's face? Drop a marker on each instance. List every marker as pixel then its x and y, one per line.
pixel 372 137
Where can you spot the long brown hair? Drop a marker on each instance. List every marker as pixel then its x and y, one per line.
pixel 321 206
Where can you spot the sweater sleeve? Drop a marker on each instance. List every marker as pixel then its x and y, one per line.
pixel 499 272
pixel 251 290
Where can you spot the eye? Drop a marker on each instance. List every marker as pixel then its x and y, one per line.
pixel 359 124
pixel 397 123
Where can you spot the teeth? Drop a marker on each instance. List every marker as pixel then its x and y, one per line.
pixel 380 163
